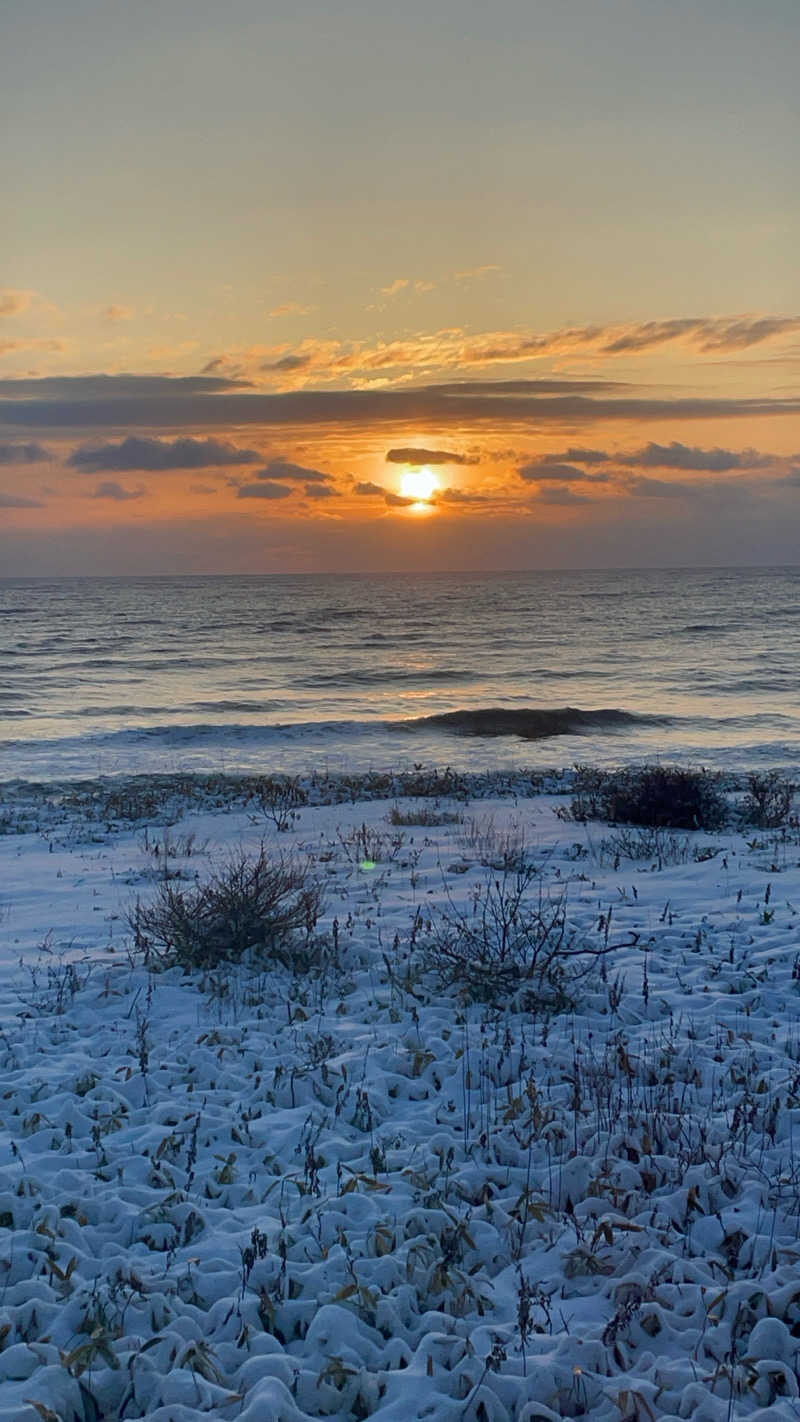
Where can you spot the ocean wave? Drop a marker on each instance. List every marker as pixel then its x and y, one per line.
pixel 89 713
pixel 534 723
pixel 527 723
pixel 244 707
pixel 745 722
pixel 162 662
pixel 131 712
pixel 202 734
pixel 733 686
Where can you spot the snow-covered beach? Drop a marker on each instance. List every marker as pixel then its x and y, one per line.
pixel 257 1193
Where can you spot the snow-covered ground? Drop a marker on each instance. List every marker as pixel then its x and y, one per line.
pixel 254 1195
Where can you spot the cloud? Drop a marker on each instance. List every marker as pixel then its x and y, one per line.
pixel 297 473
pixel 110 489
pixel 30 453
pixel 118 313
pixel 739 334
pixel 683 456
pixel 289 363
pixel 291 308
pixel 709 491
pixel 502 389
pixel 321 491
pixel 18 501
pixel 558 473
pixel 113 387
pixel 646 488
pixel 576 455
pixel 661 456
pixel 34 343
pixel 398 501
pixel 456 496
pixel 203 488
pixel 645 336
pixel 411 454
pixel 172 407
pixel 324 359
pixel 399 284
pixel 365 486
pixel 707 334
pixel 158 455
pixel 264 491
pixel 14 303
pixel 555 495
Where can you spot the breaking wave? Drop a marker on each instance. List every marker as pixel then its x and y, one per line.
pixel 534 723
pixel 528 723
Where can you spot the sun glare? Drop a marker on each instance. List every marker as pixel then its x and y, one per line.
pixel 419 484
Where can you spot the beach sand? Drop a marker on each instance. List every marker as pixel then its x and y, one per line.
pixel 255 1194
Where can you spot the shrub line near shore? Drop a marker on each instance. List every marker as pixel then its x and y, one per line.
pixel 132 798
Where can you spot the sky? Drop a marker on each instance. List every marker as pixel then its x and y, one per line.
pixel 262 263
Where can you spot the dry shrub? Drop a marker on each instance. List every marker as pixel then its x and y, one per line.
pixel 251 906
pixel 768 801
pixel 280 798
pixel 516 940
pixel 421 816
pixel 656 796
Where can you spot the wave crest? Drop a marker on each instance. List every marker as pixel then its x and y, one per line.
pixel 533 723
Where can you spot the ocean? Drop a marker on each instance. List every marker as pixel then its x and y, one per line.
pixel 112 677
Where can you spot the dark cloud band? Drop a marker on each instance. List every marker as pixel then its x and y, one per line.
pixel 176 410
pixel 411 454
pixel 158 455
pixel 23 453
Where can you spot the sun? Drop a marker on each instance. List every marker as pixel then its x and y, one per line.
pixel 419 484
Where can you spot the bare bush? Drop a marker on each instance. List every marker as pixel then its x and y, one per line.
pixel 643 843
pixel 279 797
pixel 656 796
pixel 420 815
pixel 424 784
pixel 588 784
pixel 495 848
pixel 768 801
pixel 249 907
pixel 516 938
pixel 366 845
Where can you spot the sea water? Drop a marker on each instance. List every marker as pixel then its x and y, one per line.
pixel 105 677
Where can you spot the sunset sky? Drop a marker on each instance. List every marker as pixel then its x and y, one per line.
pixel 260 262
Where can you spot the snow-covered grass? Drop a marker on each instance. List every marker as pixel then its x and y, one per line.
pixel 355 1191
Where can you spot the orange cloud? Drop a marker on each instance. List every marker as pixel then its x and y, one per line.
pixel 36 343
pixel 291 308
pixel 14 303
pixel 323 360
pixel 471 273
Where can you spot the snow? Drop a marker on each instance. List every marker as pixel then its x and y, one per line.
pixel 249 1194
